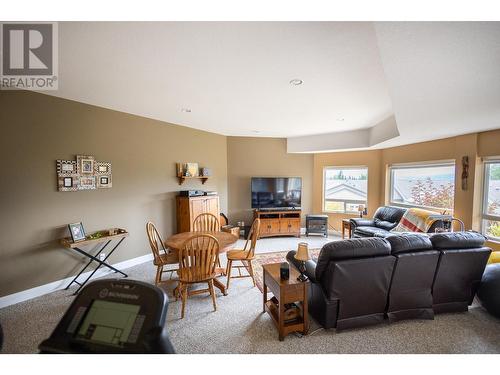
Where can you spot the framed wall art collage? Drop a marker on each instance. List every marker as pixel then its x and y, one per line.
pixel 84 173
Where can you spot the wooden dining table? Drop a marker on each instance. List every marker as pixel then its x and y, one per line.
pixel 226 242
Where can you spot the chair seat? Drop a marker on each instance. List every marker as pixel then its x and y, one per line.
pixel 238 255
pixel 170 258
pixel 184 277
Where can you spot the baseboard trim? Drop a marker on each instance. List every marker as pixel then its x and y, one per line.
pixel 38 291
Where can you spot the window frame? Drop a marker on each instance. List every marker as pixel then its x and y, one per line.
pixel 484 215
pixel 345 201
pixel 427 164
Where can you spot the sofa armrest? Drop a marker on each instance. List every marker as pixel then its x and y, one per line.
pixel 360 222
pixel 310 265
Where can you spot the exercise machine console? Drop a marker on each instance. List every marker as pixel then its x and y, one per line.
pixel 113 316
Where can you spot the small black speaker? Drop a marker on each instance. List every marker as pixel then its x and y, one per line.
pixel 284 271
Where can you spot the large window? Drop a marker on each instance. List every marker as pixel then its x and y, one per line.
pixel 491 202
pixel 344 188
pixel 429 186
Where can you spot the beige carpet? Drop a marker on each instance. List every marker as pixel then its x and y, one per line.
pixel 239 326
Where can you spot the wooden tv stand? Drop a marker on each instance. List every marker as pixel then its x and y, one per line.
pixel 278 223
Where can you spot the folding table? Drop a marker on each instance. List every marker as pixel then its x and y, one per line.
pixel 105 238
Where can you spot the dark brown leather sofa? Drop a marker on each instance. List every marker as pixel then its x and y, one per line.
pixel 384 219
pixel 359 282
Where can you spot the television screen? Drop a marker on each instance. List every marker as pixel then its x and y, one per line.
pixel 276 192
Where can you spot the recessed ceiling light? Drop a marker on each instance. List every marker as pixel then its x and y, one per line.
pixel 186 110
pixel 296 82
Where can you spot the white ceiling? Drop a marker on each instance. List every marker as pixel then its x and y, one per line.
pixel 434 79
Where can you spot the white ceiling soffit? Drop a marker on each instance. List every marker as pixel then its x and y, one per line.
pixel 349 140
pixel 437 79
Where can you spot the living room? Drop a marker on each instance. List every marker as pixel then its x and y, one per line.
pixel 351 165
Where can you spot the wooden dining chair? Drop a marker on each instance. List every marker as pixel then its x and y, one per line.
pixel 161 255
pixel 245 256
pixel 197 264
pixel 206 222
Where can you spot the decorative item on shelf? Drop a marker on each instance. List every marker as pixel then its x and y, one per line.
pixel 284 271
pixel 465 172
pixel 84 173
pixel 77 232
pixel 302 255
pixel 192 169
pixel 206 172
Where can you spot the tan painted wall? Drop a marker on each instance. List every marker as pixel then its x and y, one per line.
pixel 371 159
pixel 263 157
pixel 38 129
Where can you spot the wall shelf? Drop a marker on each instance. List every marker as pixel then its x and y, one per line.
pixel 184 178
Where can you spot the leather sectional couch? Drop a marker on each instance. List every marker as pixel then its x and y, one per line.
pixel 363 281
pixel 385 219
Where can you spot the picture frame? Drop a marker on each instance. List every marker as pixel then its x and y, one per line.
pixel 66 167
pixel 104 181
pixel 77 232
pixel 85 164
pixel 68 182
pixel 87 183
pixel 102 168
pixel 191 169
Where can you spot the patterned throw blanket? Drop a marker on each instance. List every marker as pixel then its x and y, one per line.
pixel 415 220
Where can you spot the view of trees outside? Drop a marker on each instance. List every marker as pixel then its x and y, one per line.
pixel 345 189
pixel 431 187
pixel 493 199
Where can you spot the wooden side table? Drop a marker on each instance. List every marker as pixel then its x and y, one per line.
pixel 346 225
pixel 284 292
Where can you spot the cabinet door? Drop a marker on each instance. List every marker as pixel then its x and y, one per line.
pixel 294 225
pixel 212 206
pixel 289 225
pixel 197 207
pixel 266 226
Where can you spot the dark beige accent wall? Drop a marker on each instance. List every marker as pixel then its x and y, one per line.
pixel 36 130
pixel 263 157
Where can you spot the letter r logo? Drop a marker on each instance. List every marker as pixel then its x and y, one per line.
pixel 27 49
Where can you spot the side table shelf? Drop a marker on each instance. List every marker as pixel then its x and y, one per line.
pixel 284 292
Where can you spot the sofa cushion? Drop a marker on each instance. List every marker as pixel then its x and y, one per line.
pixel 457 240
pixel 371 232
pixel 351 249
pixel 406 243
pixel 383 224
pixel 389 214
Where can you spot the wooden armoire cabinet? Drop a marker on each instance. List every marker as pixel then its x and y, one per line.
pixel 188 208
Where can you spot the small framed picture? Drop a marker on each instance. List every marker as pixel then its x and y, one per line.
pixel 85 164
pixel 77 232
pixel 67 182
pixel 87 183
pixel 66 167
pixel 104 182
pixel 102 167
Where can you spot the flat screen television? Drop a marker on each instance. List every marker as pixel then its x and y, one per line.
pixel 276 192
